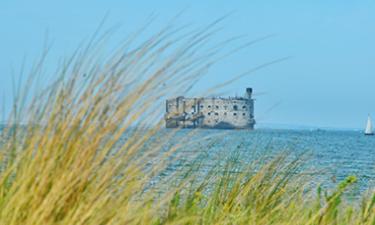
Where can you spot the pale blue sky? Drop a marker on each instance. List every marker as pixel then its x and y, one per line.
pixel 329 82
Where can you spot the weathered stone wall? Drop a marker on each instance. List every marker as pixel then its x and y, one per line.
pixel 236 113
pixel 221 113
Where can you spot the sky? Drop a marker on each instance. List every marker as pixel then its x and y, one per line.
pixel 328 81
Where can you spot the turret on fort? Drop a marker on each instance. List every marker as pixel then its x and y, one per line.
pixel 217 113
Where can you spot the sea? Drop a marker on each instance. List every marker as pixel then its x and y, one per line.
pixel 332 155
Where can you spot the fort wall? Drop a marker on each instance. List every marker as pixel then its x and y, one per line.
pixel 220 113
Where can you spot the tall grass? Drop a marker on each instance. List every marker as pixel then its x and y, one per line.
pixel 78 151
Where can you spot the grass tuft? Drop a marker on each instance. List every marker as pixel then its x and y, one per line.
pixel 81 150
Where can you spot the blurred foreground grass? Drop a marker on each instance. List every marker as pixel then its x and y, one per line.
pixel 64 159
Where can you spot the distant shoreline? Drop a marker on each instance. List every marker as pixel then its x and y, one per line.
pixel 302 127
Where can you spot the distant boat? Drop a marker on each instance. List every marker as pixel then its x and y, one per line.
pixel 369 130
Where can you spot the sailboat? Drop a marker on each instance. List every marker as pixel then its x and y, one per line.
pixel 369 130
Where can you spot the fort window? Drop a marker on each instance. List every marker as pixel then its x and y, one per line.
pixel 201 106
pixel 225 107
pixel 244 107
pixel 217 107
pixel 235 107
pixel 234 114
pixel 225 113
pixel 244 114
pixel 209 106
pixel 216 114
pixel 209 114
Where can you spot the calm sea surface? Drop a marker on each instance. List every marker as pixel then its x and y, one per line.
pixel 335 154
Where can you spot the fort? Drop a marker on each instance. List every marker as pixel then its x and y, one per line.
pixel 215 112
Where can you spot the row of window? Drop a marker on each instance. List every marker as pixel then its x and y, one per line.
pixel 225 113
pixel 235 107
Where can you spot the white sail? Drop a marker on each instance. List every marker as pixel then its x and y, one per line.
pixel 369 126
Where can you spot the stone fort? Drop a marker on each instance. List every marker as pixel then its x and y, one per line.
pixel 216 112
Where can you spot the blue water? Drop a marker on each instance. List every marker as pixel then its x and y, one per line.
pixel 334 155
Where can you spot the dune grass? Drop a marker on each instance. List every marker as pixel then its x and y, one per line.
pixel 79 151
